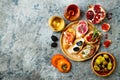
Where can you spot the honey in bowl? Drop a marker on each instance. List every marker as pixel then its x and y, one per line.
pixel 56 23
pixel 72 12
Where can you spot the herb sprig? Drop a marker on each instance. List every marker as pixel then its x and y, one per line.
pixel 95 33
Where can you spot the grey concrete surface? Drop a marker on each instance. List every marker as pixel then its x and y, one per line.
pixel 25 39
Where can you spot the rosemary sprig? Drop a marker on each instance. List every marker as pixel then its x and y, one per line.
pixel 95 33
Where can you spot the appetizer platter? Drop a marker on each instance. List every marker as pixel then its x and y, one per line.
pixel 103 64
pixel 80 40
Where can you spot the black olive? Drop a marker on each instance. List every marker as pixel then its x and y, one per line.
pixel 54 44
pixel 79 43
pixel 54 38
pixel 76 49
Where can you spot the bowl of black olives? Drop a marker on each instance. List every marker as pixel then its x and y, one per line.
pixel 103 64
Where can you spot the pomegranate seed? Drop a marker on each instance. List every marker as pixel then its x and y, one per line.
pixel 97 8
pixel 90 15
pixel 106 36
pixel 102 14
pixel 105 27
pixel 109 16
pixel 107 43
pixel 96 19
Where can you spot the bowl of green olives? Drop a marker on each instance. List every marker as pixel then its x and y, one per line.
pixel 103 64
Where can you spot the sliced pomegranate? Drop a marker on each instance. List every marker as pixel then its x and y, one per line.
pixel 105 27
pixel 102 14
pixel 107 43
pixel 90 15
pixel 96 19
pixel 95 14
pixel 97 8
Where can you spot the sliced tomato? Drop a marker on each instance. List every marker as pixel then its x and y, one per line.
pixel 105 27
pixel 107 43
pixel 55 59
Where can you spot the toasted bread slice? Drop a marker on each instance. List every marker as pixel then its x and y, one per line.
pixel 89 40
pixel 81 28
pixel 76 47
pixel 89 51
pixel 68 37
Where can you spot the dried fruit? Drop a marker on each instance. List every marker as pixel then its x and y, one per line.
pixel 79 43
pixel 54 38
pixel 54 44
pixel 76 49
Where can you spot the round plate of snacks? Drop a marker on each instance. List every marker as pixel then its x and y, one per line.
pixel 80 40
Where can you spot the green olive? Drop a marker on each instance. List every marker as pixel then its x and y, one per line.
pixel 102 59
pixel 96 68
pixel 109 67
pixel 97 61
pixel 106 56
pixel 105 62
pixel 103 66
pixel 105 69
pixel 99 57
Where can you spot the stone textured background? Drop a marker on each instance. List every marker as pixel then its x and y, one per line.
pixel 25 50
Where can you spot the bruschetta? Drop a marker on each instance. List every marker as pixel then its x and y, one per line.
pixel 68 37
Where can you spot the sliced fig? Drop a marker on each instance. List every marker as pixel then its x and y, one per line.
pixel 82 27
